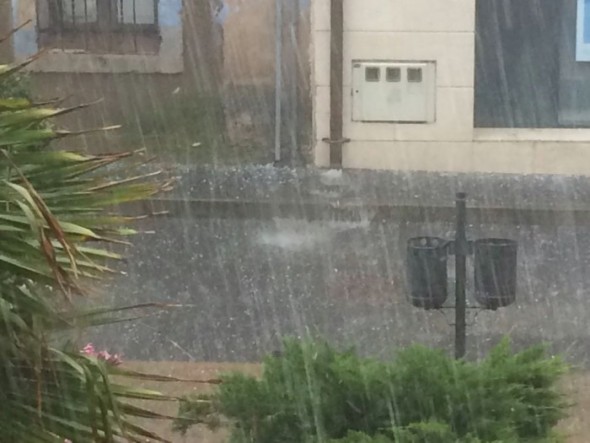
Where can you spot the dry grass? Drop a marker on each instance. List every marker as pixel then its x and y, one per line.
pixel 193 371
pixel 576 386
pixel 577 426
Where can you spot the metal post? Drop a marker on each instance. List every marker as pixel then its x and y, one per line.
pixel 294 99
pixel 461 251
pixel 336 82
pixel 278 75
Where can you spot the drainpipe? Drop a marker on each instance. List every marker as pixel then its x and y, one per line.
pixel 294 90
pixel 336 82
pixel 278 75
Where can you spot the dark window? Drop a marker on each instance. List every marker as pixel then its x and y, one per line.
pixel 393 75
pixel 99 26
pixel 528 74
pixel 372 74
pixel 414 75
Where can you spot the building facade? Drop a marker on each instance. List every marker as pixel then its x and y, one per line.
pixel 506 85
pixel 154 65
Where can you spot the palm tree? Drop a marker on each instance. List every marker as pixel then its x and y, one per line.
pixel 55 225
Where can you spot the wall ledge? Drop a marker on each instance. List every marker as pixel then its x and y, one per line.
pixel 531 135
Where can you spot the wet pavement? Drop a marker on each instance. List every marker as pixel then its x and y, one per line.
pixel 245 282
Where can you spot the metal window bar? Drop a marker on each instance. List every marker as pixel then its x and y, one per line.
pixel 73 2
pixel 111 14
pixel 37 14
pixel 60 8
pixel 134 24
pixel 64 18
pixel 86 27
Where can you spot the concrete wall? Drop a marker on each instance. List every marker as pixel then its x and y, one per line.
pixel 187 67
pixel 167 60
pixel 249 42
pixel 5 25
pixel 249 67
pixel 249 39
pixel 443 32
pixel 218 52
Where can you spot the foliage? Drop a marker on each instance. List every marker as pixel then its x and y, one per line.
pixel 184 124
pixel 314 393
pixel 190 128
pixel 16 85
pixel 421 432
pixel 53 220
pixel 192 115
pixel 360 437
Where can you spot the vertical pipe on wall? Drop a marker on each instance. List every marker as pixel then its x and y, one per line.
pixel 461 251
pixel 278 75
pixel 294 90
pixel 336 81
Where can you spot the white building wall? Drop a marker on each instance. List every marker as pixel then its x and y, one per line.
pixel 428 30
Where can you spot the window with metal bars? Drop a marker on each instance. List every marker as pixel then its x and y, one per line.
pixel 99 26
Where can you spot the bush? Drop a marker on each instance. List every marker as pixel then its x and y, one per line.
pixel 57 226
pixel 176 124
pixel 16 85
pixel 314 393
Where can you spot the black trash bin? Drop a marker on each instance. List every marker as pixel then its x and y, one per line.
pixel 427 272
pixel 495 272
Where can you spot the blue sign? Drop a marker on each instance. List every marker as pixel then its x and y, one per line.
pixel 25 40
pixel 586 21
pixel 583 31
pixel 170 13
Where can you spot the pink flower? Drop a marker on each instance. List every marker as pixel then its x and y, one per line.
pixel 67 440
pixel 115 360
pixel 104 355
pixel 112 359
pixel 89 350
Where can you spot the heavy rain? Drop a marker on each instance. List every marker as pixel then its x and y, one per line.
pixel 294 221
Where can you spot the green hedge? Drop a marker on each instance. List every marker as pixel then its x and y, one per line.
pixel 16 85
pixel 314 393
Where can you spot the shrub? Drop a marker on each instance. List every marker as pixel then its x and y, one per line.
pixel 178 123
pixel 314 393
pixel 16 85
pixel 57 223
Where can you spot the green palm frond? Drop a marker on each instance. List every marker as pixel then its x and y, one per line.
pixel 54 221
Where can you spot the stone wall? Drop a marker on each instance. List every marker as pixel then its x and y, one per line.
pixel 219 68
pixel 5 26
